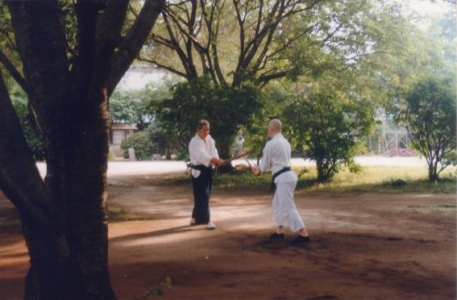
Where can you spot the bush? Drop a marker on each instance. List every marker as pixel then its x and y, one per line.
pixel 428 112
pixel 326 126
pixel 142 144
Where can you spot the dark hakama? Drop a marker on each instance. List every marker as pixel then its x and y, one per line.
pixel 202 190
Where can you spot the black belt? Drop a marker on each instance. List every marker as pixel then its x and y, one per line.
pixel 201 168
pixel 273 185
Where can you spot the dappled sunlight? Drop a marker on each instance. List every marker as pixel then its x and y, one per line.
pixel 237 218
pixel 158 237
pixel 155 233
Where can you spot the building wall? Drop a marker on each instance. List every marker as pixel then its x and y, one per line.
pixel 119 132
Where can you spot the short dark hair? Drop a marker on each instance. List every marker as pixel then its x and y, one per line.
pixel 201 123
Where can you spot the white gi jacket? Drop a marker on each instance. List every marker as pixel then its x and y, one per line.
pixel 276 156
pixel 201 151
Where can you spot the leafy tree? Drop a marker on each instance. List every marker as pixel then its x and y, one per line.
pixel 232 42
pixel 221 39
pixel 443 32
pixel 427 110
pixel 164 144
pixel 258 42
pixel 141 142
pixel 127 106
pixel 326 125
pixel 225 108
pixel 71 54
pixel 273 99
pixel 403 52
pixel 124 108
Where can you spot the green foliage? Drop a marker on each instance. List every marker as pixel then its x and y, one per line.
pixel 142 144
pixel 428 111
pixel 126 109
pixel 243 180
pixel 261 41
pixel 160 139
pixel 395 183
pixel 445 33
pixel 273 100
pixel 326 126
pixel 224 107
pixel 156 290
pixel 33 139
pixel 131 106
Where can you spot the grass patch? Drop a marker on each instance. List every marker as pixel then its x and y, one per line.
pixel 162 180
pixel 391 180
pixel 369 179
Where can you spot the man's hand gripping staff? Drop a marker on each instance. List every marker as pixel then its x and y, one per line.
pixel 220 162
pixel 217 162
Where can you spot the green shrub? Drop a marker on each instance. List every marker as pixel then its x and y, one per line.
pixel 182 155
pixel 141 142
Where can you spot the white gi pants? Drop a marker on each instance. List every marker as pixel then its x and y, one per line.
pixel 284 209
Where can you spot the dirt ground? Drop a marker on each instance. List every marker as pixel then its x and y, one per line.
pixel 363 246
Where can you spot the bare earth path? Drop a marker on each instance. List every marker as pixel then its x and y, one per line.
pixel 364 246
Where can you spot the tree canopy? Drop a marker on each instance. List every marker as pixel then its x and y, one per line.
pixel 427 110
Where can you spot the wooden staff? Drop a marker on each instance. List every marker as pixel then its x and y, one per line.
pixel 238 156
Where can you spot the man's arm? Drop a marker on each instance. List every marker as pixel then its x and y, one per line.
pixel 264 162
pixel 215 160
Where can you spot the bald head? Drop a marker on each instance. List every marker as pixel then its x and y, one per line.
pixel 274 126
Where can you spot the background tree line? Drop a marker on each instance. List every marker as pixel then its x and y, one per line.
pixel 333 70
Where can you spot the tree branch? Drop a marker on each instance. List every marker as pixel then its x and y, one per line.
pixel 108 37
pixel 86 14
pixel 162 66
pixel 21 182
pixel 132 43
pixel 267 77
pixel 41 43
pixel 17 76
pixel 181 54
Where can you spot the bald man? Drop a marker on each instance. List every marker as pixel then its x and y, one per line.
pixel 276 158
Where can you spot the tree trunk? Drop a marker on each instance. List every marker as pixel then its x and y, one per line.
pixel 225 152
pixel 432 173
pixel 64 218
pixel 50 275
pixel 320 171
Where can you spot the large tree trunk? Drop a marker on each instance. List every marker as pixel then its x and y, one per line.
pixel 64 218
pixel 72 115
pixel 22 184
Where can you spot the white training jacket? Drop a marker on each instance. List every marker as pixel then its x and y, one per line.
pixel 201 151
pixel 276 156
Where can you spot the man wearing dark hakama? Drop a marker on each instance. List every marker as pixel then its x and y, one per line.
pixel 203 156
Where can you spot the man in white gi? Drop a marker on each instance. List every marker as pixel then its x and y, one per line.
pixel 276 158
pixel 203 156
